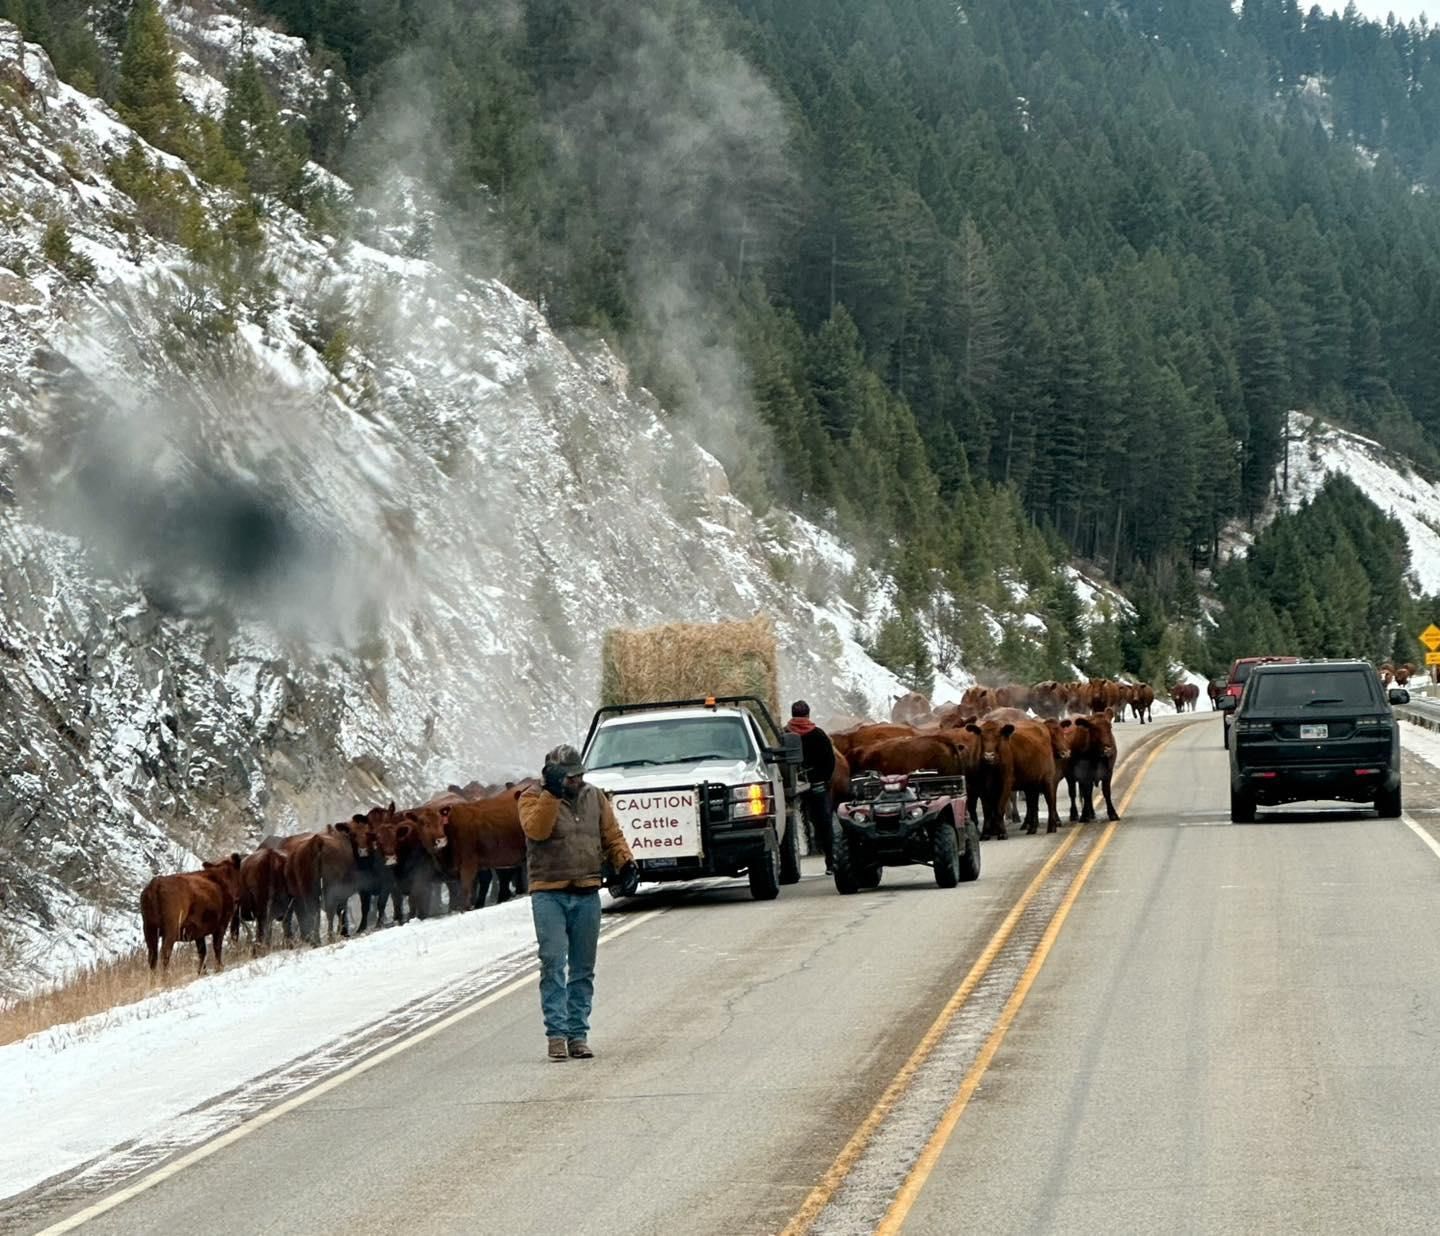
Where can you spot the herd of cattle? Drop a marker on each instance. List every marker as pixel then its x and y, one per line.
pixel 1003 753
pixel 448 850
pixel 444 854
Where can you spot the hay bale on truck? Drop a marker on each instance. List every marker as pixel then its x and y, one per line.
pixel 691 660
pixel 702 780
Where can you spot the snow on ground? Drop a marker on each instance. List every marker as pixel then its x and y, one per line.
pixel 160 1057
pixel 1318 449
pixel 1424 743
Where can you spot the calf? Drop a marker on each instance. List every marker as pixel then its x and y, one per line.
pixel 190 906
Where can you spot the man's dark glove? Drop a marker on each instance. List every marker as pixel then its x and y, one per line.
pixel 554 778
pixel 626 881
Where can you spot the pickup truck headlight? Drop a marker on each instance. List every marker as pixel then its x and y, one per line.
pixel 747 801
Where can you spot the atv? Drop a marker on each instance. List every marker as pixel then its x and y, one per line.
pixel 896 821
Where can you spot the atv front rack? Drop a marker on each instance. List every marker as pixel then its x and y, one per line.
pixel 926 782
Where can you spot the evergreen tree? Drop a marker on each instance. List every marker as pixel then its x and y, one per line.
pixel 148 97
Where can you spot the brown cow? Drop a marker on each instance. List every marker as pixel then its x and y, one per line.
pixel 1092 762
pixel 846 743
pixel 424 857
pixel 1047 700
pixel 1215 689
pixel 910 709
pixel 191 906
pixel 264 898
pixel 889 756
pixel 1142 701
pixel 320 876
pixel 1015 757
pixel 482 836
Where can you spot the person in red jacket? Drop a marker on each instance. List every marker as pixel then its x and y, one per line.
pixel 570 834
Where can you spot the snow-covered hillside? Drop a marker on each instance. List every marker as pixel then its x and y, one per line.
pixel 1318 449
pixel 253 577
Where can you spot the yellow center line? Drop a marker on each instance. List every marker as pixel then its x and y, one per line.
pixel 821 1195
pixel 925 1164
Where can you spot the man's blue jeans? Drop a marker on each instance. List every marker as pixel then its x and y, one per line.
pixel 567 929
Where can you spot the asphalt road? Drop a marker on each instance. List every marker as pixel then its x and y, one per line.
pixel 1238 1030
pixel 1235 1030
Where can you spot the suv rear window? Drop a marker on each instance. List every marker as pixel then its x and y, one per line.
pixel 1321 688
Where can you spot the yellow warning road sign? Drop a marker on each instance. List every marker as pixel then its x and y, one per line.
pixel 1432 658
pixel 1430 637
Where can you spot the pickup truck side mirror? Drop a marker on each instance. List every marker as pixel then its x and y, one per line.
pixel 1398 695
pixel 1228 703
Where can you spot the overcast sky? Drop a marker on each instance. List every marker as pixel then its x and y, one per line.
pixel 1404 10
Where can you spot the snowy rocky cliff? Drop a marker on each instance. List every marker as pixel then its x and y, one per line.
pixel 356 541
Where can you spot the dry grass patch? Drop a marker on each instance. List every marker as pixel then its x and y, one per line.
pixel 98 988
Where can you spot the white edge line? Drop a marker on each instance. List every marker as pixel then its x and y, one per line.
pixel 255 1123
pixel 1422 834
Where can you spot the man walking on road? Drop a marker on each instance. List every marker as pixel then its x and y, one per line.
pixel 570 833
pixel 818 759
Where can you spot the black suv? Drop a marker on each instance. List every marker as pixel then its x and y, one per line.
pixel 1315 730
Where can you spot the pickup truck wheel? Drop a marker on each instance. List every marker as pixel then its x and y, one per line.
pixel 790 850
pixel 1387 803
pixel 970 858
pixel 765 876
pixel 947 854
pixel 1242 808
pixel 842 859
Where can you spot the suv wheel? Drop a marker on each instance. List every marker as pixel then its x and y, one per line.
pixel 1225 724
pixel 970 857
pixel 1242 808
pixel 842 858
pixel 947 854
pixel 790 850
pixel 1387 803
pixel 870 878
pixel 765 876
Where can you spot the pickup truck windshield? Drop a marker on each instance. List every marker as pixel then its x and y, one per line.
pixel 677 740
pixel 1330 689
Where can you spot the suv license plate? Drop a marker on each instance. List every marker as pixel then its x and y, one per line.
pixel 1314 731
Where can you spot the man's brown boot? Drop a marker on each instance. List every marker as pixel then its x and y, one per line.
pixel 556 1049
pixel 580 1050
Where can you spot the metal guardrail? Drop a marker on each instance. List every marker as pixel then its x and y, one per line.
pixel 1423 709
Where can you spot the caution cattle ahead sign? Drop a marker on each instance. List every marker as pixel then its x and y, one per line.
pixel 1430 637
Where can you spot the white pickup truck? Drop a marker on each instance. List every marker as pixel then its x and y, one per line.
pixel 702 788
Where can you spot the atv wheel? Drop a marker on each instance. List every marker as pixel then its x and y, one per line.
pixel 970 859
pixel 947 854
pixel 790 850
pixel 842 858
pixel 765 876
